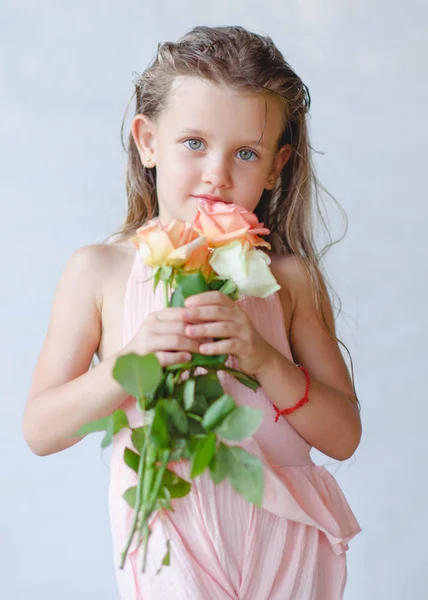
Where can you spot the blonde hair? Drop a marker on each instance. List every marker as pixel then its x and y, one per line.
pixel 250 63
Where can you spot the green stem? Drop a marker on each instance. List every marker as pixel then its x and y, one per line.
pixel 166 292
pixel 137 504
pixel 147 534
pixel 149 472
pixel 148 510
pixel 195 417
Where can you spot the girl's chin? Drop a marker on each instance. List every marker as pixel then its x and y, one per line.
pixel 185 212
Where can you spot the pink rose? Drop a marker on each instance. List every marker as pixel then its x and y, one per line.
pixel 174 245
pixel 221 223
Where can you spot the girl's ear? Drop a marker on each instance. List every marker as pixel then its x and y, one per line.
pixel 144 133
pixel 281 158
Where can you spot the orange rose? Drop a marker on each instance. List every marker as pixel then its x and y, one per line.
pixel 174 245
pixel 222 223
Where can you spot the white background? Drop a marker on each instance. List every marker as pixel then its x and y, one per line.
pixel 65 80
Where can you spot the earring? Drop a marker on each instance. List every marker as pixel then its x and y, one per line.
pixel 148 159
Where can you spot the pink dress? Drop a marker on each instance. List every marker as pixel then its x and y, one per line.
pixel 222 547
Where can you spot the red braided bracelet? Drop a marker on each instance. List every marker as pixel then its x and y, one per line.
pixel 287 411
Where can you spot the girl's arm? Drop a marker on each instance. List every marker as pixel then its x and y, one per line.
pixel 64 395
pixel 330 421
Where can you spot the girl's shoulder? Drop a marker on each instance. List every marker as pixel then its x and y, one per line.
pixel 96 266
pixel 95 279
pixel 290 272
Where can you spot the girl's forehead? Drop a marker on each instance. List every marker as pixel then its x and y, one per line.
pixel 195 103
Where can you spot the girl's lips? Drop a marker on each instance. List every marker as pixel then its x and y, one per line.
pixel 211 199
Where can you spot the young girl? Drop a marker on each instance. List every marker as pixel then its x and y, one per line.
pixel 219 115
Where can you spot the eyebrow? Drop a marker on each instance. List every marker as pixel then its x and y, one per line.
pixel 198 132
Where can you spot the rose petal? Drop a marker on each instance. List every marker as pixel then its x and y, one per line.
pixel 231 221
pixel 223 222
pixel 207 226
pixel 180 255
pixel 174 231
pixel 199 260
pixel 226 238
pixel 160 246
pixel 247 267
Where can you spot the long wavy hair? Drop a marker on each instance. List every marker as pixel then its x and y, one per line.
pixel 250 63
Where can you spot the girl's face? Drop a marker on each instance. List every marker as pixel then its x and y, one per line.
pixel 202 144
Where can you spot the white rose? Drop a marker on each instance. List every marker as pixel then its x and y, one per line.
pixel 249 269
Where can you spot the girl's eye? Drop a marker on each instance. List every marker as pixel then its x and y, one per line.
pixel 247 153
pixel 194 144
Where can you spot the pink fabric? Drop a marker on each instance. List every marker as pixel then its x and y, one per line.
pixel 294 548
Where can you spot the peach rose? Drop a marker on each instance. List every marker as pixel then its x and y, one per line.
pixel 222 223
pixel 174 245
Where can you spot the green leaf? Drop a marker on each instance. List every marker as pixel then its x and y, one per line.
pixel 132 459
pixel 164 499
pixel 166 561
pixel 209 386
pixel 216 284
pixel 229 287
pixel 139 375
pixel 169 421
pixel 184 366
pixel 169 383
pixel 93 426
pixel 214 361
pixel 200 405
pixel 195 427
pixel 218 411
pixel 112 425
pixel 167 558
pixel 156 277
pixel 241 423
pixel 189 393
pixel 202 454
pixel 165 273
pixel 138 437
pixel 176 416
pixel 159 432
pixel 131 496
pixel 191 443
pixel 246 474
pixel 120 420
pixel 177 486
pixel 243 378
pixel 191 283
pixel 177 298
pixel 219 464
pixel 178 450
pixel 108 438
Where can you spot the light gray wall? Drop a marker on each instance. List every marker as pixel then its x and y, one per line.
pixel 65 79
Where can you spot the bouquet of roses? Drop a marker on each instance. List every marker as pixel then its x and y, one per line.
pixel 186 413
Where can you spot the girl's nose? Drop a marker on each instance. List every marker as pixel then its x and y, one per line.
pixel 217 174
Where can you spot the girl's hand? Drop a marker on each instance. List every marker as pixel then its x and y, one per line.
pixel 163 332
pixel 214 315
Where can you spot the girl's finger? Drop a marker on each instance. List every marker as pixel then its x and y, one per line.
pixel 170 314
pixel 171 342
pixel 227 346
pixel 173 327
pixel 224 329
pixel 211 313
pixel 172 358
pixel 212 297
